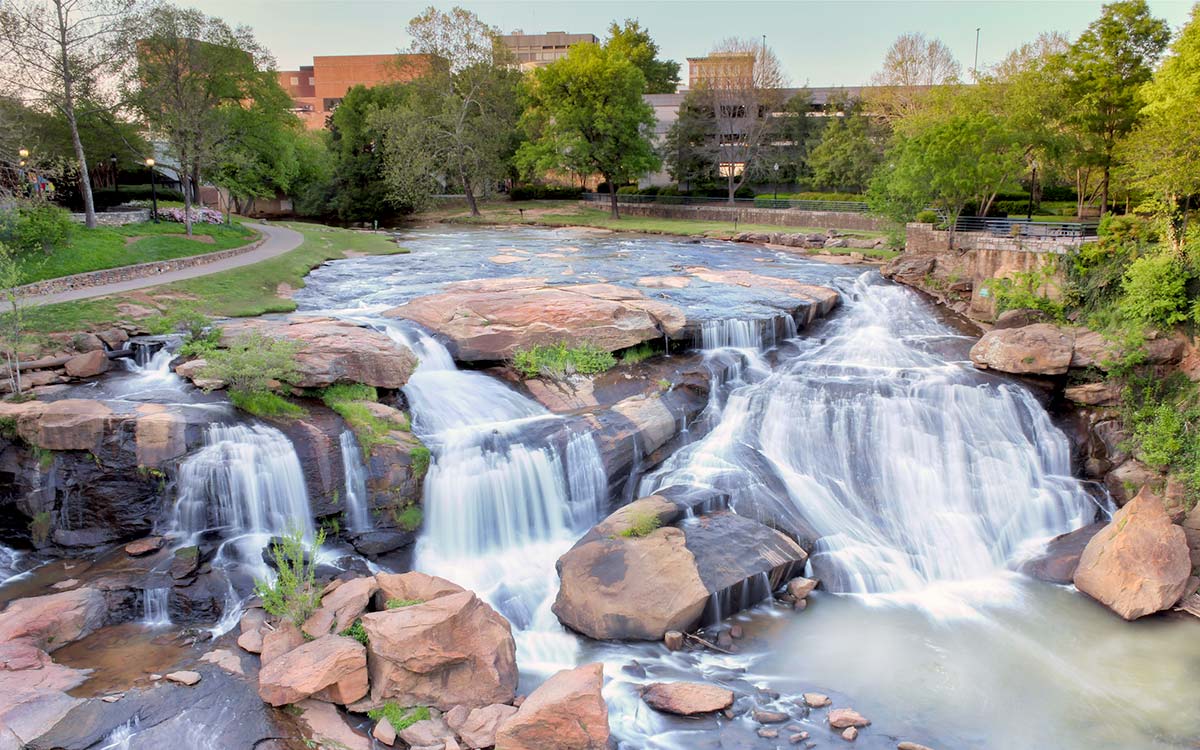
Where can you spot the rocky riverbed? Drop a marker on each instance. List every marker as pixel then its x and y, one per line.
pixel 799 516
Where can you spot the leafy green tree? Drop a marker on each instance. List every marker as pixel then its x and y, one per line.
pixel 850 150
pixel 1163 154
pixel 689 149
pixel 634 42
pixel 359 191
pixel 798 134
pixel 257 157
pixel 191 68
pixel 1106 68
pixel 585 114
pixel 12 316
pixel 457 126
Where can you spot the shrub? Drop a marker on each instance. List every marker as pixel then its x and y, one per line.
pixel 544 192
pixel 340 392
pixel 627 190
pixel 637 354
pixel 420 461
pixel 642 523
pixel 293 595
pixel 1154 291
pixel 200 215
pixel 40 526
pixel 350 401
pixel 398 603
pixel 399 718
pixel 560 360
pixel 35 226
pixel 200 337
pixel 357 632
pixel 265 404
pixel 252 363
pixel 1023 290
pixel 409 517
pixel 927 217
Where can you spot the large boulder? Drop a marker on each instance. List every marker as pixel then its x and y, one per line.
pixel 566 712
pixel 451 649
pixel 334 351
pixel 1039 349
pixel 812 301
pixel 631 577
pixel 52 621
pixel 1092 349
pixel 87 365
pixel 1059 561
pixel 489 320
pixel 341 607
pixel 1139 563
pixel 332 666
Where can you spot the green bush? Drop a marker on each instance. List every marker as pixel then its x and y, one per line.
pixel 1155 291
pixel 1023 290
pixel 420 461
pixel 409 517
pixel 35 226
pixel 357 632
pixel 399 718
pixel 252 363
pixel 627 190
pixel 559 360
pixel 293 595
pixel 927 217
pixel 350 401
pixel 637 354
pixel 544 192
pixel 642 523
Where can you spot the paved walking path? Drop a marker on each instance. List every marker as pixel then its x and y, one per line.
pixel 277 241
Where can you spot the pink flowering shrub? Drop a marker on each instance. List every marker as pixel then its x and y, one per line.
pixel 199 215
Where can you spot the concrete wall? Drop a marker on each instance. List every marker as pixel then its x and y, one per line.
pixel 784 217
pixel 116 218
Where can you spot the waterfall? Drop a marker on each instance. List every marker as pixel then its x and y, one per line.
pixel 355 473
pixel 10 563
pixel 911 469
pixel 509 489
pixel 737 333
pixel 155 612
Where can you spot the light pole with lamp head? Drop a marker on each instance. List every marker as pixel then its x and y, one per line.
pixel 153 190
pixel 112 162
pixel 776 170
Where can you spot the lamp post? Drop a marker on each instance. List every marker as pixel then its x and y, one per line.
pixel 24 154
pixel 112 162
pixel 153 191
pixel 1032 186
pixel 776 170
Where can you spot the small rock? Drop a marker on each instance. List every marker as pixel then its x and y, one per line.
pixel 634 669
pixel 736 631
pixel 112 697
pixel 225 659
pixel 850 734
pixel 816 700
pixel 673 640
pixel 841 718
pixel 384 732
pixel 763 716
pixel 184 677
pixel 724 640
pixel 800 605
pixel 800 587
pixel 70 583
pixel 797 738
pixel 144 546
pixel 686 698
pixel 87 365
pixel 456 717
pixel 768 734
pixel 911 746
pixel 516 702
pixel 427 732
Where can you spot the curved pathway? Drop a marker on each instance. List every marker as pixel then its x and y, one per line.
pixel 277 241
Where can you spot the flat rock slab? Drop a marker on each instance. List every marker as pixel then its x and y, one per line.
pixel 687 698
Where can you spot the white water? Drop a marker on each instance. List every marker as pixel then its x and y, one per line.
pixel 10 563
pixel 155 612
pixel 355 474
pixel 503 497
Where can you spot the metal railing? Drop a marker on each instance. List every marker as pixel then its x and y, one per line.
pixel 1016 227
pixel 759 202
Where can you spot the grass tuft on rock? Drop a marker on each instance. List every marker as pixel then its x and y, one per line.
pixel 637 354
pixel 409 518
pixel 399 603
pixel 559 360
pixel 266 404
pixel 350 401
pixel 642 523
pixel 357 632
pixel 399 718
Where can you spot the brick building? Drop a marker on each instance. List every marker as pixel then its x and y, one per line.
pixel 317 89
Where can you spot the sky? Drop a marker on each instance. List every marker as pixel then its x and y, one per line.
pixel 820 43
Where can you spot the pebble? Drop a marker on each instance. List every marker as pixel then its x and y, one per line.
pixel 634 668
pixel 769 717
pixel 816 700
pixel 911 746
pixel 800 605
pixel 850 734
pixel 736 631
pixel 673 640
pixel 112 697
pixel 768 734
pixel 796 739
pixel 184 677
pixel 724 640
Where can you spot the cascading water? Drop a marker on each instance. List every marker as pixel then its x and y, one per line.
pixel 10 563
pixel 155 612
pixel 506 493
pixel 355 474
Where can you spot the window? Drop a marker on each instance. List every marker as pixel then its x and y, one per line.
pixel 311 81
pixel 733 168
pixel 295 80
pixel 331 104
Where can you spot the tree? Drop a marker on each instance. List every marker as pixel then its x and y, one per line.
pixel 190 68
pixel 850 149
pixel 689 148
pixel 257 156
pixel 796 136
pixel 585 113
pixel 60 52
pixel 741 84
pixel 911 66
pixel 359 191
pixel 12 315
pixel 1106 68
pixel 457 125
pixel 1163 154
pixel 634 42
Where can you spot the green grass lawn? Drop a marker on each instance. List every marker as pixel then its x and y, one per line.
pixel 111 247
pixel 240 292
pixel 570 213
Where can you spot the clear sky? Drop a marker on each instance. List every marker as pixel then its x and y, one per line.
pixel 821 43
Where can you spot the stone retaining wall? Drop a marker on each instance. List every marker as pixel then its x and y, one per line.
pixel 784 217
pixel 128 273
pixel 923 238
pixel 116 218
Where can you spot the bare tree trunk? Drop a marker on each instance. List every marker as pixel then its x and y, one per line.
pixel 68 106
pixel 467 191
pixel 1104 192
pixel 612 196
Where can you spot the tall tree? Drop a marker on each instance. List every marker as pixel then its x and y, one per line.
pixel 742 85
pixel 634 42
pixel 585 113
pixel 60 51
pixel 850 149
pixel 359 189
pixel 257 157
pixel 911 67
pixel 457 126
pixel 1106 68
pixel 189 67
pixel 1163 154
pixel 689 149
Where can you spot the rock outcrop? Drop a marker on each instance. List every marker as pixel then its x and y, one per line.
pixel 490 319
pixel 1038 349
pixel 33 691
pixel 566 712
pixel 52 621
pixel 1139 563
pixel 333 351
pixel 333 664
pixel 451 649
pixel 632 577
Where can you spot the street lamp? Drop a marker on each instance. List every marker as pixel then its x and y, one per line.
pixel 153 190
pixel 112 162
pixel 776 168
pixel 24 153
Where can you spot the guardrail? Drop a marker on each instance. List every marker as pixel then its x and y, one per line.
pixel 759 202
pixel 1026 228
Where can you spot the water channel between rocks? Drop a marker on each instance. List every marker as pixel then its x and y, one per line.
pixel 923 481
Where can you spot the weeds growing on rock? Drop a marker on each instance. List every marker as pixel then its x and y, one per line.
pixel 398 603
pixel 357 632
pixel 559 360
pixel 399 718
pixel 293 595
pixel 641 524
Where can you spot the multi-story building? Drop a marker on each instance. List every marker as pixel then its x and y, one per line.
pixel 317 89
pixel 538 50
